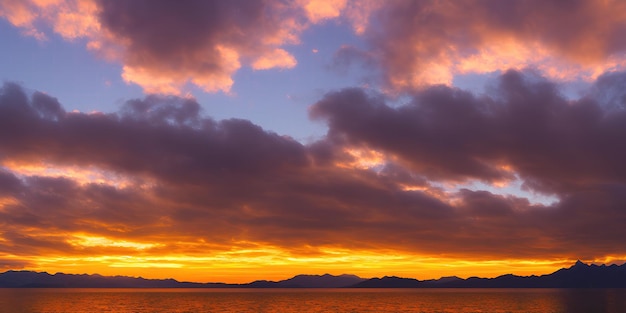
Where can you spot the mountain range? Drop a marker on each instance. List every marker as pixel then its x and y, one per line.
pixel 580 275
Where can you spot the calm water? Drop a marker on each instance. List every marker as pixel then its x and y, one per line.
pixel 311 300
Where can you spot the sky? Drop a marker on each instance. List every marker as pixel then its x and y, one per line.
pixel 230 141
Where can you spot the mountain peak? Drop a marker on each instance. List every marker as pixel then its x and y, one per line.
pixel 580 263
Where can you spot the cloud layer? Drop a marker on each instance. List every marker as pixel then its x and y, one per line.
pixel 160 174
pixel 526 127
pixel 202 42
pixel 167 46
pixel 418 43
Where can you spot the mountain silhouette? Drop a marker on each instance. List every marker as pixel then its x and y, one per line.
pixel 28 279
pixel 310 281
pixel 580 275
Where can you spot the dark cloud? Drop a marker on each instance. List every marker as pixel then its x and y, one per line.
pixel 424 135
pixel 347 56
pixel 609 90
pixel 200 42
pixel 48 107
pixel 163 110
pixel 526 126
pixel 9 184
pixel 173 176
pixel 165 31
pixel 157 135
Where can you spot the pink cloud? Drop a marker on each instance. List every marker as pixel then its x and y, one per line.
pixel 165 46
pixel 418 43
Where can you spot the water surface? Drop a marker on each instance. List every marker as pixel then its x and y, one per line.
pixel 312 300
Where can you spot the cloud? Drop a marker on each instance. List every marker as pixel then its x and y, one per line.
pixel 197 41
pixel 418 43
pixel 165 46
pixel 355 12
pixel 523 126
pixel 193 185
pixel 20 14
pixel 317 10
pixel 279 58
pixel 70 19
pixel 9 184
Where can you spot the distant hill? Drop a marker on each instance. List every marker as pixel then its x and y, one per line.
pixel 310 281
pixel 580 275
pixel 28 279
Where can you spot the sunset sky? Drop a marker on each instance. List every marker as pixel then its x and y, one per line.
pixel 229 141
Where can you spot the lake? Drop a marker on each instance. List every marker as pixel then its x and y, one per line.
pixel 312 300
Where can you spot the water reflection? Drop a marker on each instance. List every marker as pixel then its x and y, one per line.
pixel 593 300
pixel 312 300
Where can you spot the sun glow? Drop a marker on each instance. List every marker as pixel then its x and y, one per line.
pixel 95 241
pixel 275 263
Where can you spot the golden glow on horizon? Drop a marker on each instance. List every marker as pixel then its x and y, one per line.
pixel 273 263
pixel 193 259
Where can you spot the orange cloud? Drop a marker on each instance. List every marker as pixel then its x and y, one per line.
pixel 429 42
pixel 22 14
pixel 81 240
pixel 71 19
pixel 416 44
pixel 317 10
pixel 76 19
pixel 278 58
pixel 356 12
pixel 163 58
pixel 362 159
